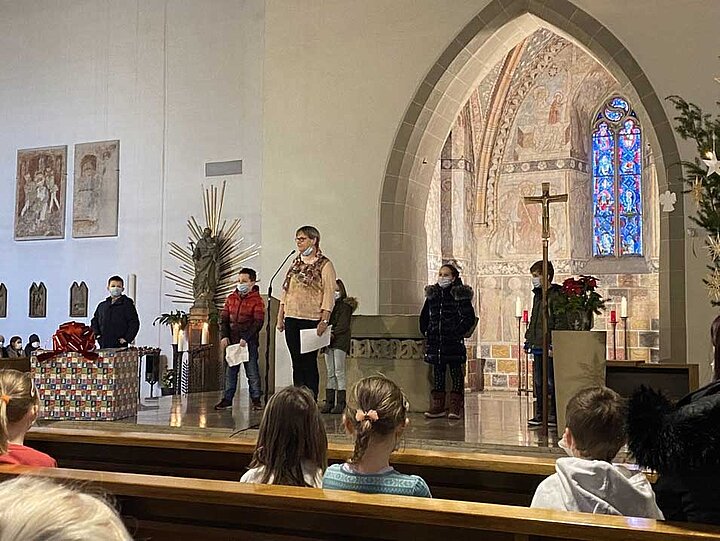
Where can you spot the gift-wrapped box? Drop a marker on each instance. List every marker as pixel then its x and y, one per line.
pixel 73 387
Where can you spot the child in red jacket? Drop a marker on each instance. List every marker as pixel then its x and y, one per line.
pixel 241 319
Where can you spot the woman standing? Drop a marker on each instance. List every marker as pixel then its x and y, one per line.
pixel 446 318
pixel 338 349
pixel 306 302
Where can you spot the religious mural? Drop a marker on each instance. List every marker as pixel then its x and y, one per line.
pixel 95 190
pixel 540 130
pixel 40 193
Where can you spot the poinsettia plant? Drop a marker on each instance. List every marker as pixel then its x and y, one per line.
pixel 581 296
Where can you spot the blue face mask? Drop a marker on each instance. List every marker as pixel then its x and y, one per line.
pixel 243 288
pixel 308 251
pixel 116 291
pixel 536 282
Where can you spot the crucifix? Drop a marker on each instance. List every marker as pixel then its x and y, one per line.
pixel 545 199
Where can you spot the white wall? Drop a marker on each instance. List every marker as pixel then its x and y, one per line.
pixel 179 83
pixel 340 74
pixel 338 78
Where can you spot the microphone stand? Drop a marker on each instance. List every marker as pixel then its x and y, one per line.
pixel 267 326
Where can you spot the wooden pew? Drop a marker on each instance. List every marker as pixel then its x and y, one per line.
pixel 171 508
pixel 464 476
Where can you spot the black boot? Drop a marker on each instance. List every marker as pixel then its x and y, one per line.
pixel 340 406
pixel 329 401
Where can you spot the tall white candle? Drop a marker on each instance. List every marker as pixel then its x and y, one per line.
pixel 175 333
pixel 181 341
pixel 623 307
pixel 205 338
pixel 518 307
pixel 132 287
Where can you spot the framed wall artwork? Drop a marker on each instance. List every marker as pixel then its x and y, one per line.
pixel 96 189
pixel 38 300
pixel 41 179
pixel 78 299
pixel 3 300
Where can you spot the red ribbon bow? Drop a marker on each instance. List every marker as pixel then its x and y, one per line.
pixel 72 337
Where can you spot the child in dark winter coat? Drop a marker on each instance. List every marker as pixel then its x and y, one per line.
pixel 335 354
pixel 447 316
pixel 681 443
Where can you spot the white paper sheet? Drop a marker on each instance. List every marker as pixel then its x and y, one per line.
pixel 236 354
pixel 310 341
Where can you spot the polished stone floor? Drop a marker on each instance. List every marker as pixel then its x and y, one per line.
pixel 494 422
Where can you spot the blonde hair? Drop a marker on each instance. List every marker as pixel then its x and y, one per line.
pixel 36 509
pixel 17 397
pixel 290 433
pixel 384 397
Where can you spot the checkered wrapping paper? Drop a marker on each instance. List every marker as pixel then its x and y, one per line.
pixel 72 387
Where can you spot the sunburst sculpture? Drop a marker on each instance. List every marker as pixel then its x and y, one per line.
pixel 697 190
pixel 712 281
pixel 713 246
pixel 232 255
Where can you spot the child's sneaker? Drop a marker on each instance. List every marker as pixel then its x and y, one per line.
pixel 223 404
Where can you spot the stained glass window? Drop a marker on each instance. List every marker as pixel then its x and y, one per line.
pixel 616 170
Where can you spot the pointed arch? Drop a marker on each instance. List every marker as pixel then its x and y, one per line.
pixel 484 41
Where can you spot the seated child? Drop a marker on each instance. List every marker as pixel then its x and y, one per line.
pixel 32 508
pixel 587 481
pixel 292 444
pixel 19 406
pixel 376 414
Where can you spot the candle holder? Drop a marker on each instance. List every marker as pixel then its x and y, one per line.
pixel 625 337
pixel 614 333
pixel 519 355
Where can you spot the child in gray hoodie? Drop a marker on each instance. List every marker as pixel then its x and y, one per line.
pixel 586 480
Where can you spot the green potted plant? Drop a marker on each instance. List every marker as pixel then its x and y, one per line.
pixel 167 382
pixel 172 318
pixel 581 302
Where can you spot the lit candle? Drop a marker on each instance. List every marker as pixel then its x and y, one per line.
pixel 205 338
pixel 623 307
pixel 518 307
pixel 175 333
pixel 525 316
pixel 613 316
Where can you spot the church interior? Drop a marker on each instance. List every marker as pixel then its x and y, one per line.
pixel 199 139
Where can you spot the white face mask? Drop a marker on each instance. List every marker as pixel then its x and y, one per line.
pixel 35 344
pixel 536 282
pixel 116 291
pixel 444 281
pixel 337 295
pixel 308 251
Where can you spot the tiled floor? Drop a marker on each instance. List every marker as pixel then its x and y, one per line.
pixel 494 422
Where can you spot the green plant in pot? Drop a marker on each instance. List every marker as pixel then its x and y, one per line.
pixel 167 382
pixel 581 302
pixel 177 317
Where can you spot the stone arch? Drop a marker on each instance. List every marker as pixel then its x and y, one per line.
pixel 433 109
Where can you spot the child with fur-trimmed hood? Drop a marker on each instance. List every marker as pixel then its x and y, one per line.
pixel 447 317
pixel 681 442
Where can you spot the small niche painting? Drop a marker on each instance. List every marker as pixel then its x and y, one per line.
pixel 3 300
pixel 78 299
pixel 38 300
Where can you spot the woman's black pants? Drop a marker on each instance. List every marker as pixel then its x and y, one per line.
pixel 304 365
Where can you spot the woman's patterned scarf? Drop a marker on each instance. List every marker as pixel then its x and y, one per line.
pixel 308 274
